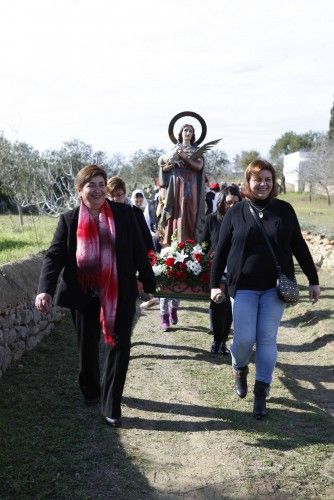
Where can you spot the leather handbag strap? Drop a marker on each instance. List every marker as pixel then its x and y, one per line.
pixel 263 231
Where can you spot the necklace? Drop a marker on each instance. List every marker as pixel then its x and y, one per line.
pixel 259 210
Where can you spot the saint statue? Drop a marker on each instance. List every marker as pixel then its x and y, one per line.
pixel 182 185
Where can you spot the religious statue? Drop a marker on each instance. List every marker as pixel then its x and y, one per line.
pixel 182 184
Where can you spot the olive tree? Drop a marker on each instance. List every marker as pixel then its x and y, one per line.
pixel 216 164
pixel 242 161
pixel 22 175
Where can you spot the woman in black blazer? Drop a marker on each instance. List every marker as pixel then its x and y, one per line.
pixel 96 251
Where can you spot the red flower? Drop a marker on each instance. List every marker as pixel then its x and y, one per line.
pixel 170 273
pixel 170 261
pixel 198 256
pixel 181 245
pixel 152 256
pixel 191 242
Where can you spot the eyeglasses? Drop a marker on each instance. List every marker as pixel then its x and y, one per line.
pixel 118 194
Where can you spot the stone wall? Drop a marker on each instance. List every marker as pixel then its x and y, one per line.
pixel 21 325
pixel 322 250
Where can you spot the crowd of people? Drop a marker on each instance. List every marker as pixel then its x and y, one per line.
pixel 99 253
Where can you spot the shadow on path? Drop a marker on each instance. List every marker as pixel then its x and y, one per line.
pixel 300 419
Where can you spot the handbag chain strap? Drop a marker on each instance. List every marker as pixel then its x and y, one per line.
pixel 263 231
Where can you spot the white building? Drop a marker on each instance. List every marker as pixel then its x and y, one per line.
pixel 293 169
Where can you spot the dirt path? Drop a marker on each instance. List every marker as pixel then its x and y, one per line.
pixel 185 434
pixel 180 437
pixel 185 430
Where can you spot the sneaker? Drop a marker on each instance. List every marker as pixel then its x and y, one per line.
pixel 173 315
pixel 215 347
pixel 114 422
pixel 149 303
pixel 164 322
pixel 223 350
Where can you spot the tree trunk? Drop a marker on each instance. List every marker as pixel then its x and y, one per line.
pixel 19 209
pixel 328 196
pixel 327 192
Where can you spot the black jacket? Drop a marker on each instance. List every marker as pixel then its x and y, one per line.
pixel 60 260
pixel 144 229
pixel 286 239
pixel 211 231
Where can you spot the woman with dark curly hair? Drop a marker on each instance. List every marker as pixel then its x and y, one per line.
pixel 220 313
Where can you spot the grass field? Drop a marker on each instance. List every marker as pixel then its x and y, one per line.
pixel 18 241
pixel 316 216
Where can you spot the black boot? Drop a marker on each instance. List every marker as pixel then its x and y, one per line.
pixel 240 380
pixel 261 391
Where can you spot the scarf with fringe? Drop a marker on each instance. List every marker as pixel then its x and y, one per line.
pixel 96 262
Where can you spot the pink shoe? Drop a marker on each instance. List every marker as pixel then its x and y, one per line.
pixel 164 323
pixel 173 315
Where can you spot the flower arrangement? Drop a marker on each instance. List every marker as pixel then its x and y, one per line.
pixel 182 269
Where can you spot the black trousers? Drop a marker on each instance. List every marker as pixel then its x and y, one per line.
pixel 221 318
pixel 109 387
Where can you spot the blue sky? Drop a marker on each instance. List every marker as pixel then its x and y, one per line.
pixel 114 73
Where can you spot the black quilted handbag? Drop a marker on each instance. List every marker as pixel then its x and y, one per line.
pixel 287 289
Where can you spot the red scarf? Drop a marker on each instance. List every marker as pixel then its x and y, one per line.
pixel 96 262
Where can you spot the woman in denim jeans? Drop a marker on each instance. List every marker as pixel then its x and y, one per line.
pixel 252 274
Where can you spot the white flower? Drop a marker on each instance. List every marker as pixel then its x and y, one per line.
pixel 197 249
pixel 165 252
pixel 180 256
pixel 194 267
pixel 159 269
pixel 174 245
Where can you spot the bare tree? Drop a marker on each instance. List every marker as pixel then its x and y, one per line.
pixel 60 169
pixel 21 174
pixel 114 164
